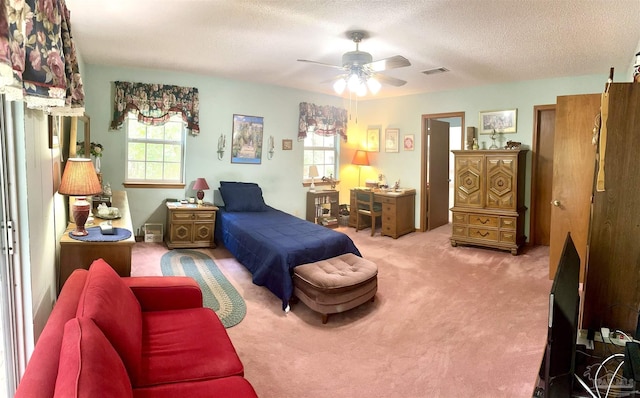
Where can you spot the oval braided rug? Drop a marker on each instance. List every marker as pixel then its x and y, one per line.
pixel 217 292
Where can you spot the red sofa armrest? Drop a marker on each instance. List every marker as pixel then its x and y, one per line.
pixel 161 293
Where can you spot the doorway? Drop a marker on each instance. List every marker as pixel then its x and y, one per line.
pixel 542 174
pixel 441 132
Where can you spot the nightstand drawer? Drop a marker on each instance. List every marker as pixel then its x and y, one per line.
pixel 481 233
pixel 485 221
pixel 205 216
pixel 182 216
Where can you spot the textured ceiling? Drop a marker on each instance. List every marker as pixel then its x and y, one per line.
pixel 479 41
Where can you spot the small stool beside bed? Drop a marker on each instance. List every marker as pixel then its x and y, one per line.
pixel 336 284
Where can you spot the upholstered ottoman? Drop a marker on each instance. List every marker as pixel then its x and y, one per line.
pixel 336 284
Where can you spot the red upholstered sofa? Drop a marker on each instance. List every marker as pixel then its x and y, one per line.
pixel 142 337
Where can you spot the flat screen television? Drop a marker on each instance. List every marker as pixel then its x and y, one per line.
pixel 558 365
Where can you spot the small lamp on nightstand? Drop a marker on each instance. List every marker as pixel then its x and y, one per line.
pixel 313 173
pixel 200 186
pixel 80 179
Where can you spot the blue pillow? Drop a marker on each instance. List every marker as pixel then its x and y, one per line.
pixel 242 198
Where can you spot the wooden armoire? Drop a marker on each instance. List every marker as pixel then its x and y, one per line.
pixel 488 207
pixel 612 286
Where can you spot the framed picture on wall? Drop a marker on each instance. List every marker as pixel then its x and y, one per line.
pixel 498 121
pixel 373 140
pixel 391 140
pixel 246 139
pixel 407 142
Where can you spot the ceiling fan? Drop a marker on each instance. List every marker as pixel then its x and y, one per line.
pixel 361 71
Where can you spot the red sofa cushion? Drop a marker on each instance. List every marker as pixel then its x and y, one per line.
pixel 185 345
pixel 228 387
pixel 89 366
pixel 114 309
pixel 159 293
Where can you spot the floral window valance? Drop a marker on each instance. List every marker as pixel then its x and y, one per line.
pixel 324 120
pixel 155 103
pixel 38 60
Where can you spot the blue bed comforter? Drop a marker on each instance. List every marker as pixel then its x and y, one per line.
pixel 271 243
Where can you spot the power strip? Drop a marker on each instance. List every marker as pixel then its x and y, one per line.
pixel 615 337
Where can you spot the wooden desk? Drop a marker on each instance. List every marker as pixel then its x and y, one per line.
pixel 398 211
pixel 76 254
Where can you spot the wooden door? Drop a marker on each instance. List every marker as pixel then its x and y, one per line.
pixel 438 173
pixel 542 174
pixel 574 158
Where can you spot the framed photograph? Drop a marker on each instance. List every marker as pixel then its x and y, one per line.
pixel 407 142
pixel 391 140
pixel 246 139
pixel 373 140
pixel 500 121
pixel 287 145
pixel 54 131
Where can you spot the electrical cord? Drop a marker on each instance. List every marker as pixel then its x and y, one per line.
pixel 595 379
pixel 613 377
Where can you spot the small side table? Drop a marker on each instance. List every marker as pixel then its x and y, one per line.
pixel 190 225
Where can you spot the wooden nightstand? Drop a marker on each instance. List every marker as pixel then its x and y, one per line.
pixel 190 225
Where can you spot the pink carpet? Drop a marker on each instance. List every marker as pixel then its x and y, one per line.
pixel 446 322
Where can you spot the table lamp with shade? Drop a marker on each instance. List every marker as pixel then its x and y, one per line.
pixel 81 180
pixel 360 159
pixel 200 186
pixel 313 173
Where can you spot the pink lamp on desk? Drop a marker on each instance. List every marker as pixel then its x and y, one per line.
pixel 200 185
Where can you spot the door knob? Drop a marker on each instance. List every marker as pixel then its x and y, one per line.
pixel 556 203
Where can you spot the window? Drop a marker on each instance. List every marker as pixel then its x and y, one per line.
pixel 155 154
pixel 321 151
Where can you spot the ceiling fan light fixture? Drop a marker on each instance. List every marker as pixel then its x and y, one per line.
pixel 340 85
pixel 362 90
pixel 354 82
pixel 374 85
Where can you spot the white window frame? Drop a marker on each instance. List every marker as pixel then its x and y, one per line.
pixel 132 118
pixel 321 166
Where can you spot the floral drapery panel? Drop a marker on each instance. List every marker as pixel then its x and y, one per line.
pixel 38 60
pixel 324 120
pixel 155 103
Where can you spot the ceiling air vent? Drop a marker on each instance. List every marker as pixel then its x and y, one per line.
pixel 435 71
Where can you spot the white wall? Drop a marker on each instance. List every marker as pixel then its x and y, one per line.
pixel 405 113
pixel 281 177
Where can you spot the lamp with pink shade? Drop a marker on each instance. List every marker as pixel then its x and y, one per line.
pixel 200 186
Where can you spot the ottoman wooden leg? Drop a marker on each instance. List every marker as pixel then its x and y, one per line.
pixel 325 318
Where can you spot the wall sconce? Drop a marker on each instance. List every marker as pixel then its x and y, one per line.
pixel 222 143
pixel 271 148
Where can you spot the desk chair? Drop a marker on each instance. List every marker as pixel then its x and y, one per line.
pixel 367 207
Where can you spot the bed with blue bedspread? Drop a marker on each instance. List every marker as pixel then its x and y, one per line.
pixel 270 242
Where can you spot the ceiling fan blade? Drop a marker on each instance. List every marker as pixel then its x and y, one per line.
pixel 390 80
pixel 333 79
pixel 397 61
pixel 321 63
